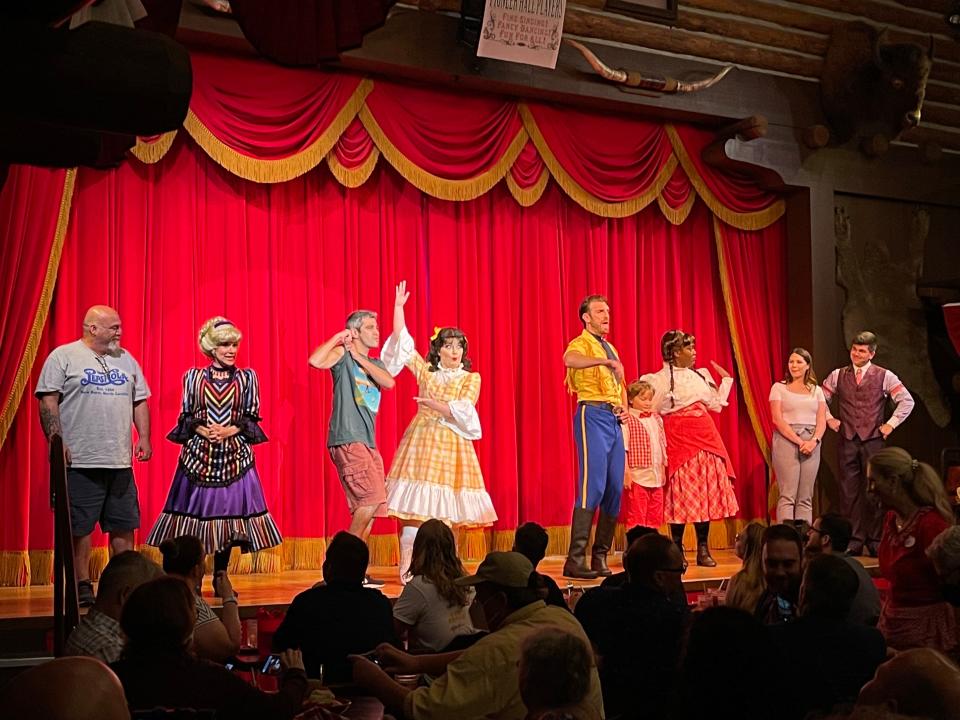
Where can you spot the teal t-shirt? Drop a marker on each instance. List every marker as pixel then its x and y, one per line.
pixel 356 399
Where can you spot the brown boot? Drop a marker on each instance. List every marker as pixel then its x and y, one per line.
pixel 576 564
pixel 602 541
pixel 704 559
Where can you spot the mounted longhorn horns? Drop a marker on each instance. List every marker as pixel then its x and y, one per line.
pixel 634 79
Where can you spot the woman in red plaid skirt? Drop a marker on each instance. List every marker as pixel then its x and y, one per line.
pixel 699 473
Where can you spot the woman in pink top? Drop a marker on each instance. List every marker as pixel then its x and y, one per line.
pixel 799 412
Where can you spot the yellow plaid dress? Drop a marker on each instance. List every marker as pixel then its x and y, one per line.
pixel 435 472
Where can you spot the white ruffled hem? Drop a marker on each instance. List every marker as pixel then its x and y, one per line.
pixel 416 500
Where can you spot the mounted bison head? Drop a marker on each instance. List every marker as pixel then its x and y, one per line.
pixel 869 86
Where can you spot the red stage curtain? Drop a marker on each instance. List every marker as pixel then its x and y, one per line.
pixel 753 271
pixel 951 315
pixel 173 243
pixel 34 209
pixel 271 124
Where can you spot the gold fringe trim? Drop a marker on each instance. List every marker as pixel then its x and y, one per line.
pixel 384 549
pixel 303 553
pixel 678 215
pixel 528 196
pixel 99 557
pixel 353 177
pixel 275 171
pixel 736 338
pixel 744 221
pixel 587 200
pixel 14 568
pixel 434 185
pixel 41 567
pixel 151 153
pixel 12 403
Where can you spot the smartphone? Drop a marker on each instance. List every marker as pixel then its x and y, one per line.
pixel 372 657
pixel 271 666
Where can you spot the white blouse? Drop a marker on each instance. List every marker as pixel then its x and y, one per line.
pixel 465 421
pixel 690 386
pixel 798 408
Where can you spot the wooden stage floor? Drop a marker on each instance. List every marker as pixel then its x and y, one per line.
pixel 21 605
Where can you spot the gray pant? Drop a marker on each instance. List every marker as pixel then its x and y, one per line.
pixel 796 474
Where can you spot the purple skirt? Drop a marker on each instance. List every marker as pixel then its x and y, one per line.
pixel 219 516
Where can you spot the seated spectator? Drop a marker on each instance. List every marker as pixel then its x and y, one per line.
pixel 914 613
pixel 826 657
pixel 554 674
pixel 157 668
pixel 920 682
pixel 215 638
pixel 530 540
pixel 74 688
pixel 729 670
pixel 432 610
pixel 637 629
pixel 483 680
pixel 98 635
pixel 944 553
pixel 830 535
pixel 747 584
pixel 780 550
pixel 634 533
pixel 339 617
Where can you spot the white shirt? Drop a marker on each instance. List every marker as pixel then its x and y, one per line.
pixel 797 408
pixel 690 386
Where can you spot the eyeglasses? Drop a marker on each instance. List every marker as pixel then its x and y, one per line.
pixel 682 569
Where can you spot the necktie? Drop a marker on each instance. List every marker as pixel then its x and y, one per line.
pixel 859 375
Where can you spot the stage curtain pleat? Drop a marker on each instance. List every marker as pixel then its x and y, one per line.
pixel 174 243
pixel 753 273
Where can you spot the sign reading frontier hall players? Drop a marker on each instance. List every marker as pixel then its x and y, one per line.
pixel 522 31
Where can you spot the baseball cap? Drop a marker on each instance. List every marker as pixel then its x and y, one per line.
pixel 509 569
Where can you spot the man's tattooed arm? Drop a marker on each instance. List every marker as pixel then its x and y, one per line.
pixel 50 415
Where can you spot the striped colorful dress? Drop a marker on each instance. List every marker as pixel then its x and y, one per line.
pixel 435 472
pixel 216 493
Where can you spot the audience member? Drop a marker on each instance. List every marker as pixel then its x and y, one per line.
pixel 214 638
pixel 432 610
pixel 747 584
pixel 634 533
pixel 944 553
pixel 729 670
pixel 157 668
pixel 780 550
pixel 915 613
pixel 920 682
pixel 554 674
pixel 98 635
pixel 637 629
pixel 339 617
pixel 826 657
pixel 483 680
pixel 73 688
pixel 530 540
pixel 830 535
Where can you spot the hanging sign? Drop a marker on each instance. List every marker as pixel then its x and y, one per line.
pixel 522 31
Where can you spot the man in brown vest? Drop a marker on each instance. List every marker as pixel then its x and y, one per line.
pixel 862 389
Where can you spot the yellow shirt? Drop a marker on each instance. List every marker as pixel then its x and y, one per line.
pixel 598 383
pixel 484 681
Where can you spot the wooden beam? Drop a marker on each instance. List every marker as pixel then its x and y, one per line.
pixel 941 114
pixel 657 37
pixel 948 73
pixel 938 6
pixel 740 29
pixel 944 138
pixel 799 19
pixel 884 14
pixel 942 93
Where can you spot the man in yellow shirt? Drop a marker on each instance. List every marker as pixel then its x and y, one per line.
pixel 595 374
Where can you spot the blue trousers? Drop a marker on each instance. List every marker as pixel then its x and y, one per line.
pixel 599 441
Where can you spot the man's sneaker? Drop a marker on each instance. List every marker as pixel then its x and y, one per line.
pixel 372 582
pixel 85 595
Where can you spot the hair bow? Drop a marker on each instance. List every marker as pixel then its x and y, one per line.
pixel 436 331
